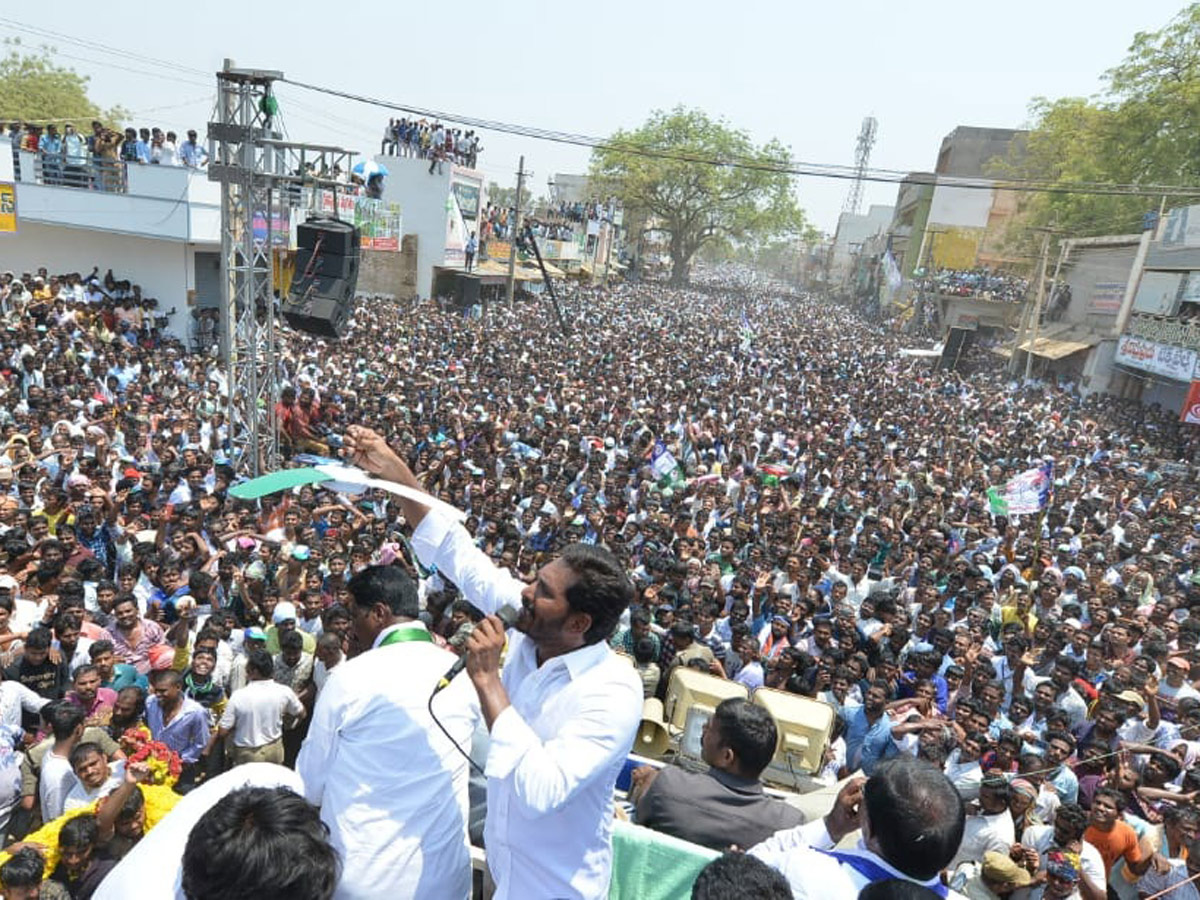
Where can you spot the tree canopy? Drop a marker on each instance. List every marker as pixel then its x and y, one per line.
pixel 1142 129
pixel 35 89
pixel 700 181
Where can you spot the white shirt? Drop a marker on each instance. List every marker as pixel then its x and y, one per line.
pixel 555 752
pixel 153 868
pixel 983 833
pixel 967 776
pixel 15 697
pixel 393 825
pixel 55 782
pixel 79 796
pixel 796 852
pixel 255 712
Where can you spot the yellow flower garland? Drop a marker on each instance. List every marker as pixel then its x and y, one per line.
pixel 160 800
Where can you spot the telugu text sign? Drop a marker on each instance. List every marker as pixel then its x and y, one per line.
pixel 1161 359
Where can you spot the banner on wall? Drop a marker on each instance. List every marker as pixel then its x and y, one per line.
pixel 1177 363
pixel 379 223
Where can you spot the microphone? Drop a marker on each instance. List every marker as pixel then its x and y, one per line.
pixel 506 614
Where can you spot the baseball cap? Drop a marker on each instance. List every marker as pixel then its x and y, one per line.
pixel 254 633
pixel 301 552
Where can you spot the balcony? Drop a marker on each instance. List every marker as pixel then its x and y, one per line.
pixel 161 202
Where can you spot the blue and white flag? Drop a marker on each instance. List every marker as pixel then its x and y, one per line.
pixel 1029 492
pixel 747 333
pixel 663 463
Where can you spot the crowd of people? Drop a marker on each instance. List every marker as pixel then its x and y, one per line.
pixel 988 284
pixel 825 529
pixel 97 159
pixel 422 139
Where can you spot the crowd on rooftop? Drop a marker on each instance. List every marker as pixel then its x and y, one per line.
pixel 826 531
pixel 986 283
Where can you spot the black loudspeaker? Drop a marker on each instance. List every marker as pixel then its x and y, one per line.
pixel 466 290
pixel 321 297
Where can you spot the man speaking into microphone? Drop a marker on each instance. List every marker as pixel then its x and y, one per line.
pixel 563 713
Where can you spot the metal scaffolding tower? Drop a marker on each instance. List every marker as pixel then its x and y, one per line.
pixel 262 179
pixel 862 156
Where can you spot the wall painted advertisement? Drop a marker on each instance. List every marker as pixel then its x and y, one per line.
pixel 1176 363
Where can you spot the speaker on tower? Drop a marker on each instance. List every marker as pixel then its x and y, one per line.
pixel 320 299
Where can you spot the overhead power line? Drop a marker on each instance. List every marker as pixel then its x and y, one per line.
pixel 778 166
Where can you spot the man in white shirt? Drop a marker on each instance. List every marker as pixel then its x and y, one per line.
pixel 391 786
pixel 911 819
pixel 93 777
pixel 254 715
pixel 962 767
pixel 57 778
pixel 563 714
pixel 993 828
pixel 329 656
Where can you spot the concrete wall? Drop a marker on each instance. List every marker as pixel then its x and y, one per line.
pixel 853 230
pixel 1097 277
pixel 960 207
pixel 423 204
pixel 160 202
pixel 381 272
pixel 967 150
pixel 164 269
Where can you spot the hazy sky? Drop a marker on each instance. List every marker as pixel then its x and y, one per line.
pixel 804 72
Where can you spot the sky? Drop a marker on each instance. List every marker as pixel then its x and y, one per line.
pixel 805 73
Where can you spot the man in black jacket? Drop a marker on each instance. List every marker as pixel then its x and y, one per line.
pixel 725 805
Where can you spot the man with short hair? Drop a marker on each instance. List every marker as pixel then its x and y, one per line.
pixel 407 835
pixel 992 828
pixel 133 637
pixel 1066 836
pixel 178 721
pixel 1112 836
pixel 57 778
pixel 912 823
pixel 255 714
pixel 113 674
pixel 562 715
pixel 725 805
pixel 93 777
pixel 95 701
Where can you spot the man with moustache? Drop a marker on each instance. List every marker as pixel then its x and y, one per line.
pixel 563 714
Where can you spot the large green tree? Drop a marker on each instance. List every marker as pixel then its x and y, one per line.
pixel 699 181
pixel 1142 129
pixel 35 89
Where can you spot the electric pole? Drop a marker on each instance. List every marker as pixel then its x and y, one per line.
pixel 516 231
pixel 1037 304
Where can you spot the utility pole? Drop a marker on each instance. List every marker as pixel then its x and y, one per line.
pixel 1037 303
pixel 516 230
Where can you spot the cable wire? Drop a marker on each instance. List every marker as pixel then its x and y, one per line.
pixel 776 166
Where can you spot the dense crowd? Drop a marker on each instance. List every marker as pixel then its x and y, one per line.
pixel 421 139
pixel 826 531
pixel 983 282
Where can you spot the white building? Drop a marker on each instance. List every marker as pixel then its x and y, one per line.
pixel 161 229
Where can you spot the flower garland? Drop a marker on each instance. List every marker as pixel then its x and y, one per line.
pixel 160 800
pixel 163 762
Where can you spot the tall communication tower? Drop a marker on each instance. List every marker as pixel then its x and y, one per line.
pixel 862 156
